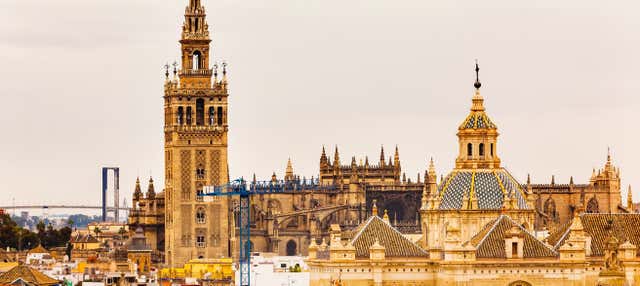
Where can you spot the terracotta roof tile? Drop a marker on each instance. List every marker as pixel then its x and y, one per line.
pixel 396 244
pixel 28 275
pixel 556 237
pixel 489 242
pixel 625 228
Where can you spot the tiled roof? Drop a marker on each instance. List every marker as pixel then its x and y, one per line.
pixel 395 244
pixel 477 120
pixel 38 249
pixel 556 237
pixel 84 238
pixel 489 242
pixel 28 275
pixel 486 185
pixel 625 228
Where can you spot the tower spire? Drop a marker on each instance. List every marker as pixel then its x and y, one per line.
pixel 137 194
pixel 382 155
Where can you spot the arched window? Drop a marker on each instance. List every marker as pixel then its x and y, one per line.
pixel 180 116
pixel 550 209
pixel 211 116
pixel 481 149
pixel 200 216
pixel 469 149
pixel 220 115
pixel 292 248
pixel 196 60
pixel 199 111
pixel 188 115
pixel 592 206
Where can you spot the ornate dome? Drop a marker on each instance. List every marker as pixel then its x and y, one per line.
pixel 480 189
pixel 477 120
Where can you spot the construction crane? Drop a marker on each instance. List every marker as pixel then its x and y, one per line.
pixel 239 188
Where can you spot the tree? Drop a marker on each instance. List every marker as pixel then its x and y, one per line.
pixel 14 236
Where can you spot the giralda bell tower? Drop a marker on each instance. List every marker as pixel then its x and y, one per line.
pixel 195 126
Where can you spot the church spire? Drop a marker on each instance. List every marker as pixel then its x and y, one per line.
pixel 289 171
pixel 137 193
pixel 195 25
pixel 151 193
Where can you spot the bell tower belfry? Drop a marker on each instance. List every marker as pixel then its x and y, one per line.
pixel 195 127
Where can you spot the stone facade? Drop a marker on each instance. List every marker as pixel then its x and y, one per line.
pixel 555 204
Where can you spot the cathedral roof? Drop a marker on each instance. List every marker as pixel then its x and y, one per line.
pixel 489 242
pixel 488 186
pixel 377 230
pixel 624 227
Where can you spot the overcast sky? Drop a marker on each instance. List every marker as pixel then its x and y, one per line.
pixel 82 86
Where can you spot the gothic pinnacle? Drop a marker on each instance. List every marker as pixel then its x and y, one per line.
pixel 382 155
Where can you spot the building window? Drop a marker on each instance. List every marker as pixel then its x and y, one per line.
pixel 469 149
pixel 491 150
pixel 200 172
pixel 188 115
pixel 481 149
pixel 199 111
pixel 219 115
pixel 211 116
pixel 196 60
pixel 200 216
pixel 514 249
pixel 199 196
pixel 200 242
pixel 180 116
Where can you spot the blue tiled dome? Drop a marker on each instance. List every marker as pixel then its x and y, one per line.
pixel 487 186
pixel 477 120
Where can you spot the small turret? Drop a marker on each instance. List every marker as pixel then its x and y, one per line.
pixel 151 193
pixel 289 171
pixel 630 200
pixel 137 193
pixel 336 158
pixel 324 162
pixel 382 156
pixel 396 158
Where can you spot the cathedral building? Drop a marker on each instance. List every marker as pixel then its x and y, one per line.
pixel 478 229
pixel 555 204
pixel 345 194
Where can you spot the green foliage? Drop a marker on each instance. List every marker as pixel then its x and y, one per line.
pixel 13 236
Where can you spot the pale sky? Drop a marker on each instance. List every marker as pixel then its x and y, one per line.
pixel 82 86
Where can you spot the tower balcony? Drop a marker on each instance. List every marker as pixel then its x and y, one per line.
pixel 196 128
pixel 196 73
